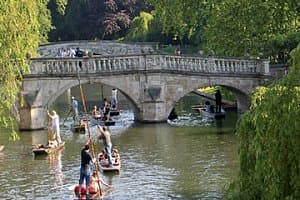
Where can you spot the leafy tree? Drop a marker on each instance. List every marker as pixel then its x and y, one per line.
pixel 280 46
pixel 270 141
pixel 23 25
pixel 94 19
pixel 238 27
pixel 182 19
pixel 140 27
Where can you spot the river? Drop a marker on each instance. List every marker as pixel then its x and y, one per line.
pixel 190 158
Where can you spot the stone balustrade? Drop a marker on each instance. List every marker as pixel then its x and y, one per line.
pixel 151 62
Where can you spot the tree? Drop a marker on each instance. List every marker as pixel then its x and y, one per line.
pixel 238 27
pixel 23 25
pixel 182 19
pixel 269 136
pixel 140 27
pixel 94 19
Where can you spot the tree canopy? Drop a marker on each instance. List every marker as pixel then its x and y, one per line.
pixel 23 26
pixel 270 141
pixel 248 26
pixel 93 19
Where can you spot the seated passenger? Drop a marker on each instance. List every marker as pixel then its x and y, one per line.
pixel 207 106
pixel 52 143
pixel 96 183
pixel 95 113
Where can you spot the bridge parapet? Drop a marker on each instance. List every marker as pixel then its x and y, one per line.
pixel 151 62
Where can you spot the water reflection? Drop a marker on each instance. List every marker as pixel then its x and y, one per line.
pixel 54 161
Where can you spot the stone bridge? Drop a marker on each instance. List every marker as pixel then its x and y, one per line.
pixel 153 83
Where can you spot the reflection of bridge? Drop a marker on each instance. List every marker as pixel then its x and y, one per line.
pixel 152 83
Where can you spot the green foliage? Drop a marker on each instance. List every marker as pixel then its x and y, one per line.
pixel 269 136
pixel 139 27
pixel 23 25
pixel 92 19
pixel 237 27
pixel 281 45
pixel 61 6
pixel 44 19
pixel 181 19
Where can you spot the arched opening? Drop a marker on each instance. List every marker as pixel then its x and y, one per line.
pixel 93 94
pixel 189 114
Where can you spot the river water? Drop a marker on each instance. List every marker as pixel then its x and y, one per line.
pixel 191 158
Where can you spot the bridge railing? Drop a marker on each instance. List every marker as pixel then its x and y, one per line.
pixel 152 62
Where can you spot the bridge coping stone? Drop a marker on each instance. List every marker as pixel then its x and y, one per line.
pixel 97 47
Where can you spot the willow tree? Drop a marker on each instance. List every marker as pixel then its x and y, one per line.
pixel 238 27
pixel 269 136
pixel 23 25
pixel 182 19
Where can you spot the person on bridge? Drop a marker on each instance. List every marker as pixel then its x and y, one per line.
pixel 104 135
pixel 55 126
pixel 74 107
pixel 218 98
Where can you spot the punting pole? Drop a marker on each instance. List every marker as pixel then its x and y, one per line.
pixel 88 128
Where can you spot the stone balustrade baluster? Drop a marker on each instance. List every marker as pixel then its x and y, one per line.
pixel 225 68
pixel 109 64
pixel 232 66
pixel 174 67
pixel 172 63
pixel 124 64
pixel 168 62
pixel 97 65
pixel 133 64
pixel 218 64
pixel 105 66
pixel 199 65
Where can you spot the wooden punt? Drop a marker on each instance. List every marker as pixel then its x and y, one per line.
pixel 45 150
pixel 216 115
pixel 114 112
pixel 99 121
pixel 97 195
pixel 78 128
pixel 103 161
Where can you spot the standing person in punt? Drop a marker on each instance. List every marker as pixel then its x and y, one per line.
pixel 74 105
pixel 104 134
pixel 55 126
pixel 85 168
pixel 114 99
pixel 106 110
pixel 106 106
pixel 218 98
